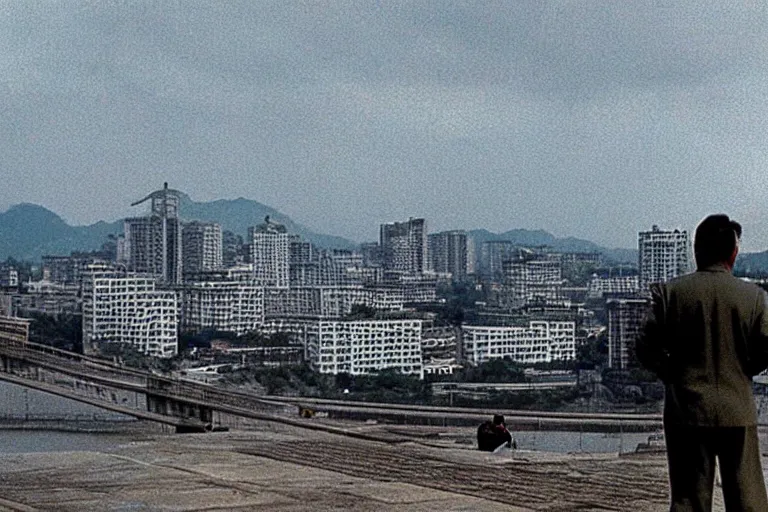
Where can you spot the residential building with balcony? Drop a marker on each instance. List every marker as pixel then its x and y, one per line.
pixel 130 310
pixel 231 306
pixel 625 319
pixel 358 347
pixel 201 247
pixel 404 246
pixel 662 255
pixel 539 342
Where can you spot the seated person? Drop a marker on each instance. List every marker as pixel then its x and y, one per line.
pixel 493 434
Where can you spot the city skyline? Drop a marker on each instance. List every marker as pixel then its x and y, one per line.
pixel 574 118
pixel 376 227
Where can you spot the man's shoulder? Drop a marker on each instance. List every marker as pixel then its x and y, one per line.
pixel 719 279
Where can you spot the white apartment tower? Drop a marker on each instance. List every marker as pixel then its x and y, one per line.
pixel 270 254
pixel 662 255
pixel 448 253
pixel 153 243
pixel 201 246
pixel 129 310
pixel 404 246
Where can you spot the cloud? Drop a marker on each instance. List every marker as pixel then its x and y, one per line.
pixel 591 119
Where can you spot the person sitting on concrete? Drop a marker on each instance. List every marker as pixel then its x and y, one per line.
pixel 491 435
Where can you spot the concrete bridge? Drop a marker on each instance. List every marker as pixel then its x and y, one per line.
pixel 188 406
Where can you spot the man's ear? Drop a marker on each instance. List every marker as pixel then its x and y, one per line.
pixel 732 259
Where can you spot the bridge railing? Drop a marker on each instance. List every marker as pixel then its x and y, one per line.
pixel 74 363
pixel 207 394
pixel 78 365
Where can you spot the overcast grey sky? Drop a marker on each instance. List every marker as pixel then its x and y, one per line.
pixel 590 119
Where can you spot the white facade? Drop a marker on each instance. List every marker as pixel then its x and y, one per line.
pixel 404 246
pixel 533 282
pixel 130 310
pixel 270 256
pixel 9 277
pixel 599 286
pixel 662 255
pixel 232 306
pixel 366 346
pixel 540 342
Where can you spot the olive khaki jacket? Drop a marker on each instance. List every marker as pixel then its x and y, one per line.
pixel 705 336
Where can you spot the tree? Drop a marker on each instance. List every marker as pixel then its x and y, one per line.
pixel 64 331
pixel 592 353
pixel 495 370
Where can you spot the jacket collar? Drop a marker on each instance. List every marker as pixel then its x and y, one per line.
pixel 717 267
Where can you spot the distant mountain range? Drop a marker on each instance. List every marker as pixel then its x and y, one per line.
pixel 533 238
pixel 29 231
pixel 237 215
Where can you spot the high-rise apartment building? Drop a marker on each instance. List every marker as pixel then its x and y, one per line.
pixel 300 251
pixel 201 246
pixel 153 243
pixel 234 249
pixel 231 306
pixel 371 254
pixel 404 246
pixel 493 253
pixel 448 253
pixel 537 281
pixel 625 318
pixel 662 255
pixel 9 277
pixel 129 310
pixel 270 254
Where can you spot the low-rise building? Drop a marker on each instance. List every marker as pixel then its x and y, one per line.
pixel 539 342
pixel 360 347
pixel 599 287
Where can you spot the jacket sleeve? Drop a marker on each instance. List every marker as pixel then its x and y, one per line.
pixel 758 342
pixel 651 346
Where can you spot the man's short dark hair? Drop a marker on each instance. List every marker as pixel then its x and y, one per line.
pixel 716 238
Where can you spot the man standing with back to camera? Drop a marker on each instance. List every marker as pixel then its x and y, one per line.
pixel 706 336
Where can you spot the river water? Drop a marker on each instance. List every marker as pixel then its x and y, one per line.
pixel 17 403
